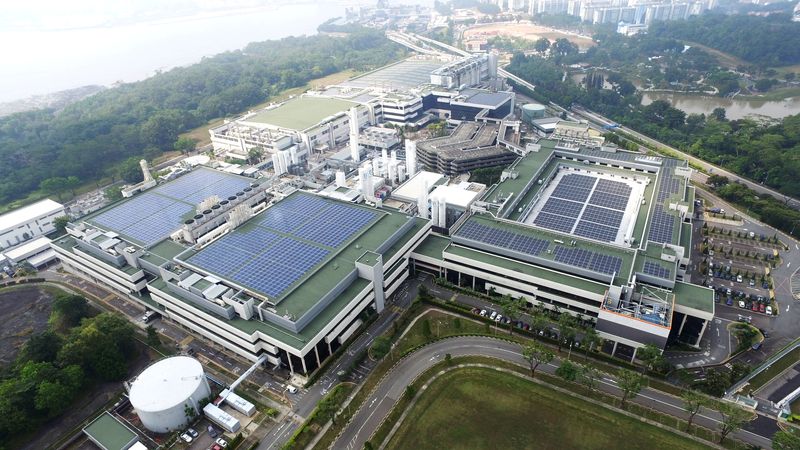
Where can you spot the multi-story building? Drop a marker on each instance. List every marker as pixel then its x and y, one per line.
pixel 602 235
pixel 29 222
pixel 290 277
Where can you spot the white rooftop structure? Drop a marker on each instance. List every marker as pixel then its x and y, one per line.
pixel 459 195
pixel 410 190
pixel 25 214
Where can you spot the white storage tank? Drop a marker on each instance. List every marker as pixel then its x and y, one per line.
pixel 163 391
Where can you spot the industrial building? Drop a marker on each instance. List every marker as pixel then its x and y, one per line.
pixel 470 146
pixel 603 235
pixel 285 275
pixel 29 222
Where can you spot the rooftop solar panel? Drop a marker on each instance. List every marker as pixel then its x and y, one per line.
pixel 577 180
pixel 595 231
pixel 603 216
pixel 571 193
pixel 562 207
pixel 586 259
pixel 554 222
pixel 502 238
pixel 651 268
pixel 609 200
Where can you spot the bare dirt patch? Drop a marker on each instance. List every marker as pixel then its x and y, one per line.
pixel 527 31
pixel 24 311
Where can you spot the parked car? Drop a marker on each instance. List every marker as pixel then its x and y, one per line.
pixel 191 432
pixel 765 285
pixel 186 438
pixel 526 326
pixel 483 313
pixel 762 308
pixel 498 318
pixel 221 442
pixel 755 307
pixel 739 278
pixel 215 447
pixel 752 282
pixel 757 346
pixel 291 389
pixel 493 315
pixel 212 431
pixel 741 304
pixel 768 310
pixel 729 302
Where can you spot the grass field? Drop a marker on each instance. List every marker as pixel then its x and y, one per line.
pixel 479 408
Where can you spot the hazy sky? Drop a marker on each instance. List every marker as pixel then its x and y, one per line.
pixel 51 45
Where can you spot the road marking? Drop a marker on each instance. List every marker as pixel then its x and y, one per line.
pixel 787 307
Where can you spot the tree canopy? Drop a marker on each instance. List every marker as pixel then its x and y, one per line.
pixel 90 137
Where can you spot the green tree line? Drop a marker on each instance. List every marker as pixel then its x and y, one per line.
pixel 90 137
pixel 54 367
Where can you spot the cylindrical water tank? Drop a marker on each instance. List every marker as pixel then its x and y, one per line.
pixel 532 111
pixel 163 391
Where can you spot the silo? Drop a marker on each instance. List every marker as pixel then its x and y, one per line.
pixel 532 111
pixel 161 394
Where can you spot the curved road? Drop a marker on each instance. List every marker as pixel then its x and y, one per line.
pixel 380 402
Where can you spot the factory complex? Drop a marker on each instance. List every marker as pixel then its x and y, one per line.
pixel 285 268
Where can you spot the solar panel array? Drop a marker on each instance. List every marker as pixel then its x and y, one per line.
pixel 502 238
pixel 662 225
pixel 585 206
pixel 586 259
pixel 152 216
pixel 651 268
pixel 146 218
pixel 261 259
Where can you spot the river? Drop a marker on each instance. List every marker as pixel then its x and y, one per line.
pixel 704 104
pixel 734 108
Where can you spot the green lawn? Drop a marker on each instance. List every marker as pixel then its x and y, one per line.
pixel 479 408
pixel 775 369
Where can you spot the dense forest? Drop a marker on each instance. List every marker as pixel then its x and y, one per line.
pixel 90 138
pixel 773 40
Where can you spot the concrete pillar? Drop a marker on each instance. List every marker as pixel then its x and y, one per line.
pixel 316 353
pixel 702 331
pixel 473 282
pixel 683 322
pixel 291 366
pixel 303 360
pixel 330 349
pixel 633 358
pixel 614 350
pixel 459 279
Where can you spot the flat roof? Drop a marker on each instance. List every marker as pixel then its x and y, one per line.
pixel 411 189
pixel 21 251
pixel 409 73
pixel 694 296
pixel 20 216
pixel 109 433
pixel 301 113
pixel 455 195
pixel 433 246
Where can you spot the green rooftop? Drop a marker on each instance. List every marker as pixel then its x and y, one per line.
pixel 302 112
pixel 433 246
pixel 525 167
pixel 110 433
pixel 694 296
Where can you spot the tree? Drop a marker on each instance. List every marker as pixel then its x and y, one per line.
pixel 60 224
pixel 410 392
pixel 717 181
pixel 693 401
pixel 589 376
pixel 536 354
pixel 564 47
pixel 566 328
pixel 423 293
pixel 113 194
pixel 590 339
pixel 650 355
pixel 152 337
pixel 327 408
pixel 539 321
pixel 541 45
pixel 448 359
pixel 42 347
pixel 68 310
pixel 511 309
pixel 71 183
pixel 381 346
pixel 53 397
pixel 102 345
pixel 54 185
pixel 788 439
pixel 130 171
pixel 254 155
pixel 185 144
pixel 733 418
pixel 568 371
pixel 630 383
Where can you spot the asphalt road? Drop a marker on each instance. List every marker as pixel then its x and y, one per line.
pixel 380 402
pixel 303 407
